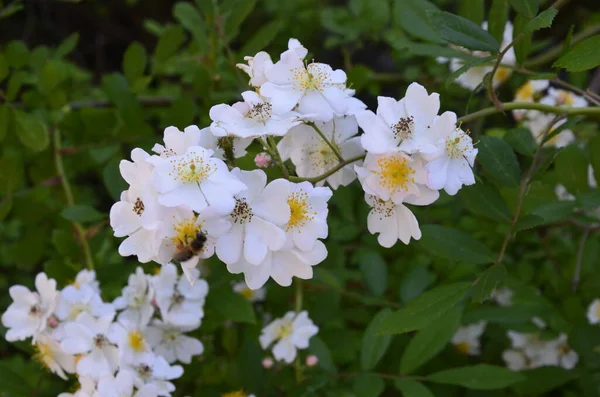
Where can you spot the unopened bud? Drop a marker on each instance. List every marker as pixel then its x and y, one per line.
pixel 52 322
pixel 312 360
pixel 263 160
pixel 267 362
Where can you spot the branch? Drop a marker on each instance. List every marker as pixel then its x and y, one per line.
pixel 589 111
pixel 491 91
pixel 330 144
pixel 332 171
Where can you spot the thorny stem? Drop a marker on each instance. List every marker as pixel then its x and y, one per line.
pixel 327 141
pixel 60 170
pixel 490 87
pixel 328 173
pixel 577 272
pixel 589 111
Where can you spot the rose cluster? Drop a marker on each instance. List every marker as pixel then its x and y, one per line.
pixel 127 347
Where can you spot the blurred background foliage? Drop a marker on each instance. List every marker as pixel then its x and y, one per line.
pixel 83 82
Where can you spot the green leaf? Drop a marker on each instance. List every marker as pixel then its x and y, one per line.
pixel 238 11
pixel 460 31
pixel 497 18
pixel 263 37
pixel 14 84
pixel 453 244
pixel 113 180
pixel 544 379
pixel 523 46
pixel 17 54
pixel 168 44
pixel 231 306
pixel 487 282
pixel 507 316
pixel 67 45
pixel 412 388
pixel 368 385
pixel 572 169
pixel 484 199
pixel 320 349
pixel 5 207
pixel 472 10
pixel 521 140
pixel 134 62
pixel 5 121
pixel 528 8
pixel 192 21
pixel 550 212
pixel 477 377
pixel 499 161
pixel 32 133
pixel 415 281
pixel 583 56
pixel 594 147
pixel 51 75
pixel 374 270
pixel 4 67
pixel 424 309
pixel 374 346
pixel 430 340
pixel 544 20
pixel 411 15
pixel 11 9
pixel 82 213
pixel 13 382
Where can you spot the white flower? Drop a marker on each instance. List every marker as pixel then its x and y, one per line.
pixel 316 88
pixel 410 124
pixel 180 302
pixel 593 312
pixel 169 341
pixel 538 123
pixel 472 78
pixel 137 214
pixel 256 68
pixel 281 266
pixel 528 93
pixel 392 221
pixel 51 356
pixel 466 339
pixel 183 227
pixel 308 215
pixel 29 312
pixel 289 333
pixel 566 98
pixel 123 386
pixel 503 296
pixel 453 168
pixel 259 212
pixel 87 277
pixel 250 119
pixel 87 388
pixel 515 359
pixel 136 299
pixel 396 176
pixel 195 179
pixel 73 301
pixel 90 337
pixel 131 340
pixel 251 295
pixel 312 156
pixel 155 371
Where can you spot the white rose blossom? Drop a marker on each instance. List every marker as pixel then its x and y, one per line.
pixel 593 312
pixel 392 221
pixel 136 299
pixel 169 341
pixel 289 333
pixel 251 295
pixel 87 277
pixel 73 301
pixel 123 386
pixel 153 370
pixel 466 339
pixel 50 355
pixel 131 340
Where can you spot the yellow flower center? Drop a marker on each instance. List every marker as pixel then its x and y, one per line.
pixel 566 98
pixel 191 168
pixel 300 210
pixel 463 347
pixel 43 354
pixel 186 231
pixel 456 144
pixel 284 330
pixel 238 393
pixel 247 293
pixel 394 173
pixel 525 91
pixel 502 74
pixel 136 341
pixel 309 78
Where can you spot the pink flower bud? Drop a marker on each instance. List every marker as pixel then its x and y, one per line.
pixel 52 322
pixel 267 362
pixel 153 302
pixel 311 360
pixel 263 160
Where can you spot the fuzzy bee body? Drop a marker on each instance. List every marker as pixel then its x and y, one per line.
pixel 189 249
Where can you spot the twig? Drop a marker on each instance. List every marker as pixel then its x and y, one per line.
pixel 577 272
pixel 381 375
pixel 334 148
pixel 60 170
pixel 491 91
pixel 298 307
pixel 589 111
pixel 328 173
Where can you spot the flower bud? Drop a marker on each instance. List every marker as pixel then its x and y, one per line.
pixel 52 322
pixel 263 160
pixel 311 360
pixel 267 362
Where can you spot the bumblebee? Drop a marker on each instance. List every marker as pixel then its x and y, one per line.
pixel 191 247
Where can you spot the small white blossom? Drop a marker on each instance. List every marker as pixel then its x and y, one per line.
pixel 290 333
pixel 195 179
pixel 503 296
pixel 87 388
pixel 466 339
pixel 131 340
pixel 30 311
pixel 136 299
pixel 392 221
pixel 251 295
pixel 49 353
pixel 123 386
pixel 153 370
pixel 593 312
pixel 169 341
pixel 73 301
pixel 87 277
pixel 312 156
pixel 528 92
pixel 256 68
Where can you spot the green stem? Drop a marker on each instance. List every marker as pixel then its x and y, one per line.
pixel 555 51
pixel 333 147
pixel 589 111
pixel 271 141
pixel 328 173
pixel 298 307
pixel 64 181
pixel 490 87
